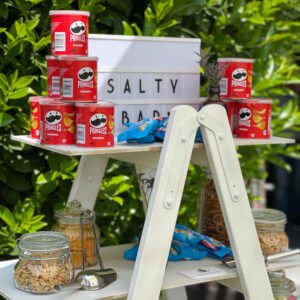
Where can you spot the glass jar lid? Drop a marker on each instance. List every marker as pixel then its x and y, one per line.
pixel 269 219
pixel 43 241
pixel 74 213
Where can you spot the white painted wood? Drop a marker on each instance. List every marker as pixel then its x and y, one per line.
pixel 120 148
pixel 234 202
pixel 89 175
pixel 113 257
pixel 164 204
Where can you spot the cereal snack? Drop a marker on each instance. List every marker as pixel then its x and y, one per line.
pixel 44 261
pixel 270 226
pixel 68 222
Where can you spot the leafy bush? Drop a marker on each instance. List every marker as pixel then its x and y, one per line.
pixel 33 182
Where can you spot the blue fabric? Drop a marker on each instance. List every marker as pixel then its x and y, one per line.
pixel 148 131
pixel 189 245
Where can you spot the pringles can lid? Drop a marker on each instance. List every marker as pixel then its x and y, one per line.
pixel 81 58
pixel 230 59
pixel 95 104
pixel 69 12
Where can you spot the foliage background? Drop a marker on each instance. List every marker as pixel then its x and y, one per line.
pixel 33 183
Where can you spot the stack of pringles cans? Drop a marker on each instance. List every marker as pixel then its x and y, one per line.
pixel 71 114
pixel 248 118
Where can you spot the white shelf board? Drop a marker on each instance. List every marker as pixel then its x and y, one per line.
pixel 73 150
pixel 112 257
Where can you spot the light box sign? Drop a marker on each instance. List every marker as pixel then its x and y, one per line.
pixel 126 112
pixel 146 76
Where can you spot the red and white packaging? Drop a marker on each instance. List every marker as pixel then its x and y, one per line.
pixel 95 124
pixel 57 122
pixel 253 118
pixel 53 85
pixel 78 78
pixel 35 116
pixel 69 32
pixel 230 108
pixel 237 77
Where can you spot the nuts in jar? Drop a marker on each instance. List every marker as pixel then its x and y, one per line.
pixel 44 261
pixel 69 223
pixel 270 226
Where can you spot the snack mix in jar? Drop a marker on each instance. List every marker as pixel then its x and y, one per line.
pixel 70 221
pixel 282 287
pixel 270 226
pixel 211 217
pixel 44 261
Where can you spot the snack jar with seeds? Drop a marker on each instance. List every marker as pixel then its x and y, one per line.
pixel 211 219
pixel 282 287
pixel 44 261
pixel 270 226
pixel 71 221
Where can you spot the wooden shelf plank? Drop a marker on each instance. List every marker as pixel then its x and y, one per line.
pixel 112 257
pixel 72 150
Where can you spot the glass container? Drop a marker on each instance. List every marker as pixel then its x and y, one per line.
pixel 211 218
pixel 282 287
pixel 270 226
pixel 68 221
pixel 44 261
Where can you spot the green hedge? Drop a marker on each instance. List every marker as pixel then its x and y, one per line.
pixel 33 182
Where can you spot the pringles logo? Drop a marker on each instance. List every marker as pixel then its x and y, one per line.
pixel 77 29
pixel 53 118
pixel 239 77
pixel 85 76
pixel 98 124
pixel 244 116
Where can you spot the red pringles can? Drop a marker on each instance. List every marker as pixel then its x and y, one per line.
pixel 253 118
pixel 35 116
pixel 69 32
pixel 230 108
pixel 95 124
pixel 57 122
pixel 78 78
pixel 236 81
pixel 53 85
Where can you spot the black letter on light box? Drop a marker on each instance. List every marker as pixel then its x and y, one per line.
pixel 174 85
pixel 112 87
pixel 158 84
pixel 127 87
pixel 125 118
pixel 156 113
pixel 140 85
pixel 140 118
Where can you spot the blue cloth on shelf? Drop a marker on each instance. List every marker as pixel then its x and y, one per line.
pixel 148 131
pixel 189 245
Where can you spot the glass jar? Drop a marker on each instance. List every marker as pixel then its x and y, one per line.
pixel 282 287
pixel 44 261
pixel 68 221
pixel 211 218
pixel 270 226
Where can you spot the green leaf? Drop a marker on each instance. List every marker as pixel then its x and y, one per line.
pixel 24 81
pixel 5 119
pixel 7 217
pixel 127 30
pixel 286 110
pixel 46 177
pixel 257 19
pixel 118 200
pixel 19 93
